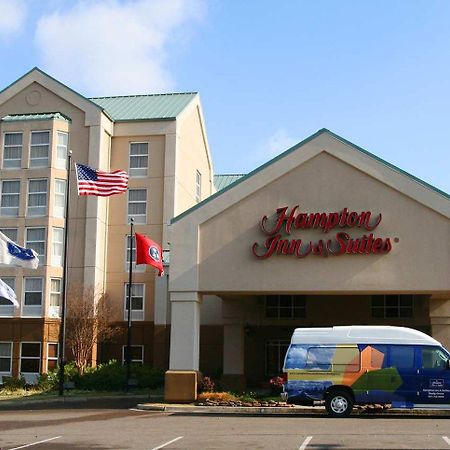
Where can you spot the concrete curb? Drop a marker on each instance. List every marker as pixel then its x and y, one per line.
pixel 283 411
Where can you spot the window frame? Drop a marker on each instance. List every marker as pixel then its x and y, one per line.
pixel 137 172
pixel 21 357
pixel 2 372
pixel 297 303
pixel 29 244
pixel 57 261
pixel 16 238
pixel 16 194
pixel 52 358
pixel 42 211
pixel 138 218
pixel 29 310
pixel 5 146
pixel 7 310
pixel 398 308
pixel 133 361
pixel 59 211
pixel 55 310
pixel 137 315
pixel 198 186
pixel 58 160
pixel 31 159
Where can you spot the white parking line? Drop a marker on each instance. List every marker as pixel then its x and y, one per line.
pixel 167 443
pixel 36 443
pixel 446 439
pixel 305 443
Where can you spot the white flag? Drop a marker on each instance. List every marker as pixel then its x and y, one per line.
pixel 12 254
pixel 8 293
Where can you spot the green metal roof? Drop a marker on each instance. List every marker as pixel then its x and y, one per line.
pixel 145 107
pixel 222 181
pixel 294 148
pixel 39 116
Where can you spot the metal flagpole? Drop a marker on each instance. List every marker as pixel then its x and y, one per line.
pixel 62 328
pixel 129 308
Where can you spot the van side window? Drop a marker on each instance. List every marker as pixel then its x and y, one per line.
pixel 336 359
pixel 433 358
pixel 402 356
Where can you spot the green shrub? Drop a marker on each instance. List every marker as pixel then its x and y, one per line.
pixel 50 381
pixel 147 377
pixel 13 384
pixel 104 377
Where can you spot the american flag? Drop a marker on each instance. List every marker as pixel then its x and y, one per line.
pixel 96 182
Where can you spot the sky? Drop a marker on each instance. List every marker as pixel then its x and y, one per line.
pixel 269 73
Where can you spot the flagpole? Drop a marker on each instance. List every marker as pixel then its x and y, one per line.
pixel 62 328
pixel 129 309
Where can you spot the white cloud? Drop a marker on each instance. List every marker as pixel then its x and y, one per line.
pixel 12 17
pixel 112 47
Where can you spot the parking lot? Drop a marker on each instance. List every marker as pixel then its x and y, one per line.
pixel 132 429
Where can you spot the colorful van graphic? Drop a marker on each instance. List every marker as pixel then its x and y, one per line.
pixel 366 364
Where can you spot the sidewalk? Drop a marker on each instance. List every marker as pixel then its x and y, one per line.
pixel 284 411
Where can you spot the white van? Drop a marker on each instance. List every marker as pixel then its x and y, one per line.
pixel 366 364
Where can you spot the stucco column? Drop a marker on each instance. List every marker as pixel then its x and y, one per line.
pixel 182 376
pixel 440 320
pixel 233 344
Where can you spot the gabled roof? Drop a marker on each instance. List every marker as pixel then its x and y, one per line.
pixel 223 180
pixel 298 146
pixel 145 107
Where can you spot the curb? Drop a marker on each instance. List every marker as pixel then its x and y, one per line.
pixel 281 411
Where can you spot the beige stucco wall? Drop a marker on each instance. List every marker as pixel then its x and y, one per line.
pixel 323 175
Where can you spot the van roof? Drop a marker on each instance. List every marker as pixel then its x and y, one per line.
pixel 361 335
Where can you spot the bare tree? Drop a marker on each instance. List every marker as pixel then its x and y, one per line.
pixel 87 323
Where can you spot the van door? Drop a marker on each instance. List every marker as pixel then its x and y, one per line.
pixel 434 376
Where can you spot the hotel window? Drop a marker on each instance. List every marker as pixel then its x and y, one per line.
pixel 137 354
pixel 33 293
pixel 55 297
pixel 10 232
pixel 137 205
pixel 198 186
pixel 60 198
pixel 61 150
pixel 10 198
pixel 36 241
pixel 138 159
pixel 12 151
pixel 285 306
pixel 131 252
pixel 37 197
pixel 6 307
pixel 39 148
pixel 392 306
pixel 30 357
pixel 275 353
pixel 137 301
pixel 52 356
pixel 5 359
pixel 57 247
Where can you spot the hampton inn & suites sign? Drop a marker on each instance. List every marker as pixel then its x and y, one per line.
pixel 279 241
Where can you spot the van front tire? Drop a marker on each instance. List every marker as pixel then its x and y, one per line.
pixel 339 403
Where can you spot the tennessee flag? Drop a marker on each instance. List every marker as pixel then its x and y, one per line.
pixel 148 252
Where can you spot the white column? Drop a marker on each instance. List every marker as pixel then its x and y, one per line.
pixel 185 331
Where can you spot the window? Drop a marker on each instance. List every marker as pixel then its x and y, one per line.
pixel 33 294
pixel 433 358
pixel 275 352
pixel 137 205
pixel 39 148
pixel 198 186
pixel 12 151
pixel 61 150
pixel 285 306
pixel 137 354
pixel 131 252
pixel 6 307
pixel 37 197
pixel 389 306
pixel 402 356
pixel 5 359
pixel 10 198
pixel 52 356
pixel 55 297
pixel 57 247
pixel 138 159
pixel 36 241
pixel 60 198
pixel 137 302
pixel 30 357
pixel 10 232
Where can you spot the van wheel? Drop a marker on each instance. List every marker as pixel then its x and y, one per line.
pixel 339 403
